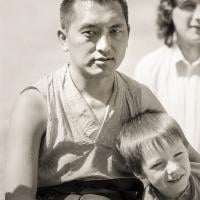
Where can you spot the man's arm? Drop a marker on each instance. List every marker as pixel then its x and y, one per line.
pixel 149 100
pixel 28 123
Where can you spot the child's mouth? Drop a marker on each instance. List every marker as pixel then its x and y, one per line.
pixel 176 179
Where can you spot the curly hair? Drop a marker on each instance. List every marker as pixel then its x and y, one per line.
pixel 165 24
pixel 66 10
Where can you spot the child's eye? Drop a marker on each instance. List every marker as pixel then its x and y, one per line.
pixel 157 165
pixel 178 154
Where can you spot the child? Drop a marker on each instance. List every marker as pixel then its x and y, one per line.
pixel 155 151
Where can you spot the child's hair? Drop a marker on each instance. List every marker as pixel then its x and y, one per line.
pixel 146 131
pixel 66 10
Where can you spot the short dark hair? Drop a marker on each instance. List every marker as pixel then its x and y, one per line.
pixel 146 131
pixel 66 10
pixel 165 24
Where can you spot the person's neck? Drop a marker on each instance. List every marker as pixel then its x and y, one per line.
pixel 191 52
pixel 99 88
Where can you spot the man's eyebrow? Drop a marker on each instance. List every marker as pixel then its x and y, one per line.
pixel 88 26
pixel 117 25
pixel 85 26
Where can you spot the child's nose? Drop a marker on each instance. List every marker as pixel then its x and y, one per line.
pixel 172 170
pixel 172 176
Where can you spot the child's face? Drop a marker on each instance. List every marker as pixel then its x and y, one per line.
pixel 168 170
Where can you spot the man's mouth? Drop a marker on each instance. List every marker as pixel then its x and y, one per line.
pixel 104 59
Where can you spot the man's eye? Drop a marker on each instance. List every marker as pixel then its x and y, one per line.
pixel 115 31
pixel 89 33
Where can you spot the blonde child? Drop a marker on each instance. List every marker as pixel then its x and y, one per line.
pixel 155 151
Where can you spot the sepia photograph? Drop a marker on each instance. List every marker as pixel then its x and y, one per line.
pixel 100 100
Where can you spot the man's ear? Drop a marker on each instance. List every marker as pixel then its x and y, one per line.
pixel 62 37
pixel 129 29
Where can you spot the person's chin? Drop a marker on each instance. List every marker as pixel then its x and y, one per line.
pixel 96 71
pixel 178 186
pixel 104 67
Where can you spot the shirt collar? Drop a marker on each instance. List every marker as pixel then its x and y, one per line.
pixel 178 56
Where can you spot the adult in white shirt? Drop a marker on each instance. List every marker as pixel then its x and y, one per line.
pixel 173 71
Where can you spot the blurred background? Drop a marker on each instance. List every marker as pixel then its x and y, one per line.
pixel 29 48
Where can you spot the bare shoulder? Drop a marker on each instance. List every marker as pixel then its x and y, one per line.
pixel 30 97
pixel 28 124
pixel 30 110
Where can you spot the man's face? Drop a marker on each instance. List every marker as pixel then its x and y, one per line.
pixel 97 38
pixel 168 170
pixel 186 18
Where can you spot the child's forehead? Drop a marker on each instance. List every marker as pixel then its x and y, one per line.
pixel 152 154
pixel 160 145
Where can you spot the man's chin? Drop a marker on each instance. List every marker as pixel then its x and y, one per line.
pixel 101 70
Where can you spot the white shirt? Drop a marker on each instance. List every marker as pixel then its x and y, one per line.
pixel 176 83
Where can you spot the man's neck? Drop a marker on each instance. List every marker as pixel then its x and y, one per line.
pixel 99 88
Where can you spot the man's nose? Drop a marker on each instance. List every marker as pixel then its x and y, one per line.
pixel 172 170
pixel 104 44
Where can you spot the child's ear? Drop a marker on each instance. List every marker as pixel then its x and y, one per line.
pixel 62 37
pixel 143 178
pixel 140 176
